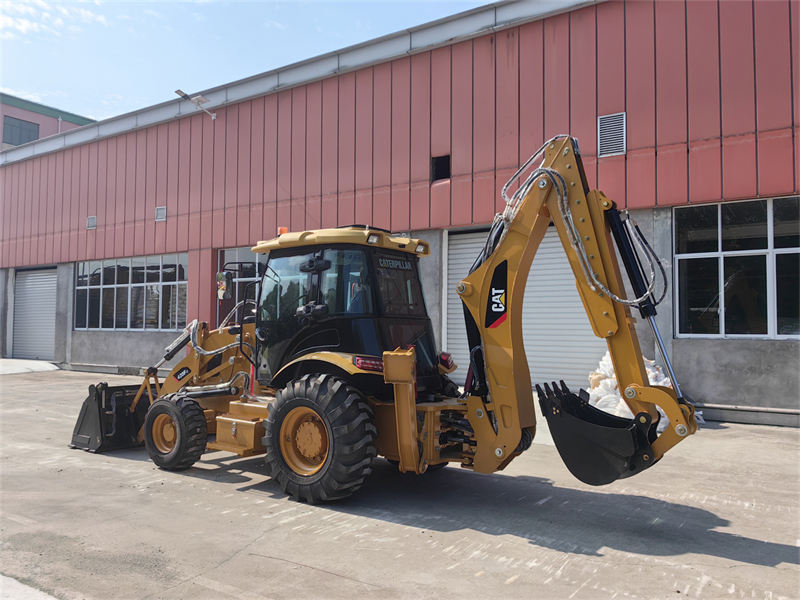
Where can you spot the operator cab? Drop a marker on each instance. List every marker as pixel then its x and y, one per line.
pixel 353 299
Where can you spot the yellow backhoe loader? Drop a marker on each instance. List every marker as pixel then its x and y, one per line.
pixel 333 363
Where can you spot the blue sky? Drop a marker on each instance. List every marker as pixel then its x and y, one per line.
pixel 101 59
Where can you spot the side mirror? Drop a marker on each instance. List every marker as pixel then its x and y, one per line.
pixel 224 285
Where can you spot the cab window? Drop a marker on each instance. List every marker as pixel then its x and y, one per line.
pixel 399 285
pixel 345 285
pixel 284 288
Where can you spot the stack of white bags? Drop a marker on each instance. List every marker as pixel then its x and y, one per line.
pixel 604 390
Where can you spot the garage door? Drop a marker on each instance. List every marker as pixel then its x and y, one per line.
pixel 559 341
pixel 35 314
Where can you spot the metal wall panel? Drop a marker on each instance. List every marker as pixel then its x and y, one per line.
pixel 716 77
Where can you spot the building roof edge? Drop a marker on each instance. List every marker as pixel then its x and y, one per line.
pixel 43 109
pixel 442 32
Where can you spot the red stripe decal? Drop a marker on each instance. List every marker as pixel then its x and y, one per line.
pixel 500 320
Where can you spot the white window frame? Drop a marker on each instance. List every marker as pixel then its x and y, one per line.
pixel 129 286
pixel 770 252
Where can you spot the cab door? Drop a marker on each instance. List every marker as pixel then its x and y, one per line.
pixel 285 288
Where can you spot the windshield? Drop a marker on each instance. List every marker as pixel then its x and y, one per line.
pixel 399 286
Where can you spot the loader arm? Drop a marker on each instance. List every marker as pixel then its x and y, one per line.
pixel 499 391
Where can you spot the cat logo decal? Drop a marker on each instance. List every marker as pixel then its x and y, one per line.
pixel 496 307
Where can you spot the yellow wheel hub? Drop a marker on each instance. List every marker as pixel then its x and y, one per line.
pixel 164 433
pixel 304 441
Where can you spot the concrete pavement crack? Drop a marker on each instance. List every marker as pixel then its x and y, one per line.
pixel 316 569
pixel 206 571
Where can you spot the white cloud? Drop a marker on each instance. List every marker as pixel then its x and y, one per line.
pixel 20 8
pixel 32 96
pixel 31 17
pixel 153 14
pixel 275 24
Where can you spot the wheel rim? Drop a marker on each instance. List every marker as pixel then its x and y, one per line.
pixel 165 433
pixel 304 441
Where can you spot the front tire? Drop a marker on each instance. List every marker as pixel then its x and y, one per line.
pixel 320 439
pixel 175 432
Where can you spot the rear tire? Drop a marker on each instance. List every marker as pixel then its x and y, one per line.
pixel 175 432
pixel 320 439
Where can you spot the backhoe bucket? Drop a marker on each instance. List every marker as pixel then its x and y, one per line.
pixel 106 422
pixel 596 447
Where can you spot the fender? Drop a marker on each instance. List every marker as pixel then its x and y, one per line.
pixel 339 364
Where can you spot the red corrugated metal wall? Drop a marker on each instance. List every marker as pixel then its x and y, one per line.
pixel 710 91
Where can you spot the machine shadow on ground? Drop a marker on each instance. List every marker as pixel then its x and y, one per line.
pixel 570 520
pixel 579 521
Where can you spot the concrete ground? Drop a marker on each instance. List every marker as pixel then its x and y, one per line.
pixel 717 518
pixel 12 366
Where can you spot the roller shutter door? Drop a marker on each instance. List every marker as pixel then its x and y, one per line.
pixel 35 314
pixel 559 341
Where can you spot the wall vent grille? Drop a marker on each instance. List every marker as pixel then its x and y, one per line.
pixel 91 222
pixel 161 213
pixel 611 135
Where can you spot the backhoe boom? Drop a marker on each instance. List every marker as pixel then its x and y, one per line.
pixel 598 448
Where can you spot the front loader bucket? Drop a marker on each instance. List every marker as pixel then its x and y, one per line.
pixel 106 422
pixel 596 447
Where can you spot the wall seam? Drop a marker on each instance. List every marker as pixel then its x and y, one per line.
pixel 755 95
pixel 686 88
pixel 625 86
pixel 719 63
pixel 655 94
pixel 792 92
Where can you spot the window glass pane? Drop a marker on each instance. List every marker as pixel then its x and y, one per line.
pixel 123 271
pixel 16 131
pixel 153 268
pixel 248 257
pixel 181 320
pixel 787 277
pixel 698 290
pixel 744 225
pixel 81 277
pixel 107 319
pixel 94 308
pixel 398 285
pixel 248 270
pixel 169 297
pixel 285 288
pixel 137 270
pixel 137 307
pixel 95 269
pixel 183 267
pixel 345 286
pixel 121 320
pixel 224 307
pixel 745 295
pixel 169 268
pixel 109 272
pixel 151 308
pixel 786 222
pixel 696 229
pixel 81 297
pixel 242 289
pixel 227 256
